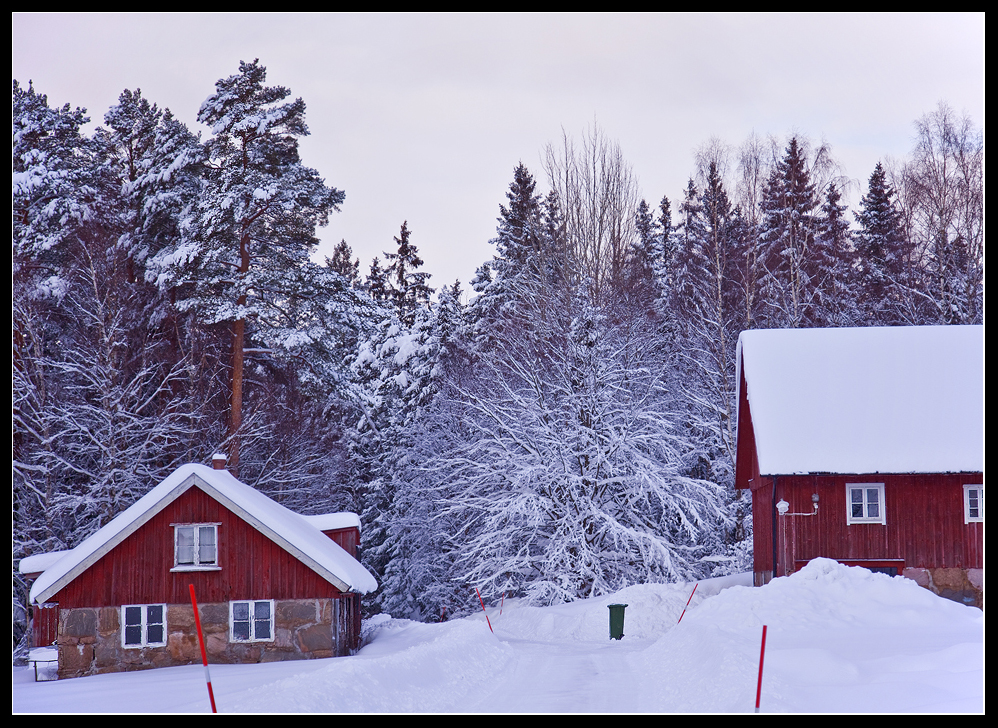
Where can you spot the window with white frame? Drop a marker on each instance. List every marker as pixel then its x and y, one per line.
pixel 973 503
pixel 251 621
pixel 195 546
pixel 143 625
pixel 865 503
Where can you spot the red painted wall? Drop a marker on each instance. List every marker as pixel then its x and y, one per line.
pixel 924 526
pixel 137 571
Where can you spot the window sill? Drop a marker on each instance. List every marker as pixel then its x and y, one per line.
pixel 195 568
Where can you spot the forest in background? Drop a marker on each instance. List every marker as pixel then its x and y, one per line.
pixel 564 429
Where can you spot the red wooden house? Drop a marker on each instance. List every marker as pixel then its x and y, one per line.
pixel 866 446
pixel 270 584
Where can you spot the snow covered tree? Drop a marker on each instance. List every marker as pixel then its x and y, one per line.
pixel 376 283
pixel 790 205
pixel 944 182
pixel 835 255
pixel 407 544
pixel 882 253
pixel 646 256
pixel 56 185
pixel 341 263
pixel 157 164
pixel 568 483
pixel 246 249
pixel 409 291
pixel 521 257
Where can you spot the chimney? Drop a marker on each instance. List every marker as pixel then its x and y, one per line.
pixel 218 461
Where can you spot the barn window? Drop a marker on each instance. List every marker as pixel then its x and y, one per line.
pixel 143 625
pixel 865 503
pixel 195 546
pixel 251 621
pixel 973 503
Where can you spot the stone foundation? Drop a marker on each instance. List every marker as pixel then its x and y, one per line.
pixel 961 585
pixel 90 639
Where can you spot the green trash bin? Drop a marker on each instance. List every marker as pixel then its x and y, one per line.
pixel 617 620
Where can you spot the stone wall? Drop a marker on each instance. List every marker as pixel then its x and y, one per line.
pixel 90 638
pixel 961 585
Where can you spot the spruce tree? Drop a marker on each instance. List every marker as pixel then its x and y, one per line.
pixel 789 208
pixel 408 283
pixel 880 250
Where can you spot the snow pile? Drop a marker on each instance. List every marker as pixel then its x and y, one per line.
pixel 840 639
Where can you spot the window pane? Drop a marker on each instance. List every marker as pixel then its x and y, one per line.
pixel 155 634
pixel 133 635
pixel 262 629
pixel 240 630
pixel 185 544
pixel 206 547
pixel 261 613
pixel 154 614
pixel 241 620
pixel 133 615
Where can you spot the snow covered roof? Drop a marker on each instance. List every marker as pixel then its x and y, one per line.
pixel 37 563
pixel 906 399
pixel 288 529
pixel 334 521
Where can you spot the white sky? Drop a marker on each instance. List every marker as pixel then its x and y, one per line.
pixel 423 117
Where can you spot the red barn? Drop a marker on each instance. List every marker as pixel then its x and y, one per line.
pixel 270 584
pixel 866 445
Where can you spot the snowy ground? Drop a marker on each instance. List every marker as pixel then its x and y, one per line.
pixel 839 639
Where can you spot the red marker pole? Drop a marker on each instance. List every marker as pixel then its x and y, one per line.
pixel 483 609
pixel 688 601
pixel 204 653
pixel 762 655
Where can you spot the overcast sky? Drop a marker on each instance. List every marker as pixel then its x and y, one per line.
pixel 424 117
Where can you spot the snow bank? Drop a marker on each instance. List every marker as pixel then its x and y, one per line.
pixel 652 610
pixel 410 667
pixel 839 639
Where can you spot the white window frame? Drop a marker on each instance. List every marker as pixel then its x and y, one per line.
pixel 253 622
pixel 197 564
pixel 979 518
pixel 144 625
pixel 881 515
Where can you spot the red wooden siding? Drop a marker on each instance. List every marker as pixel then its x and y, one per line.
pixel 925 522
pixel 137 571
pixel 347 539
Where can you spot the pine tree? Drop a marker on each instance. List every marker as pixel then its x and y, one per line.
pixel 56 184
pixel 248 244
